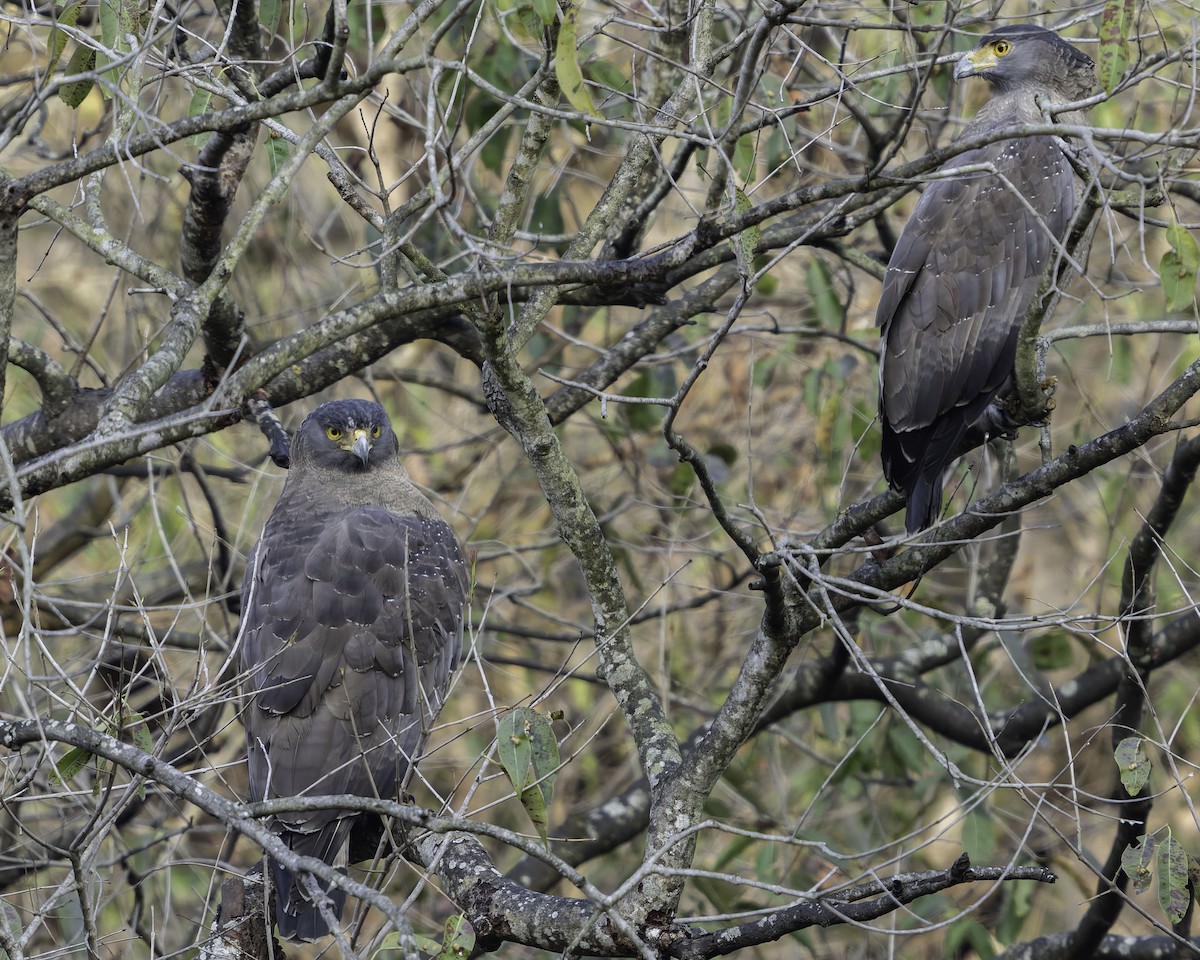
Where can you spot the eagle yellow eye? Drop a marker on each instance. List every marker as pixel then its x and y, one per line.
pixel 1001 47
pixel 333 433
pixel 375 432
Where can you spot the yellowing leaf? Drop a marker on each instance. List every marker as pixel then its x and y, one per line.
pixel 1133 765
pixel 1172 879
pixel 1115 21
pixel 566 65
pixel 745 243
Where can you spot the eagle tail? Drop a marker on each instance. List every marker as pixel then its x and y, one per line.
pixel 915 463
pixel 296 913
pixel 924 500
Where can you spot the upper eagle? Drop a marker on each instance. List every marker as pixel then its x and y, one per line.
pixel 967 265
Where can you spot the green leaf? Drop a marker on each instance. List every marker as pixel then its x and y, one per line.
pixel 530 24
pixel 826 307
pixel 494 153
pixel 979 835
pixel 681 480
pixel 546 10
pixel 566 65
pixel 1115 21
pixel 458 940
pixel 746 242
pixel 1136 860
pixel 965 933
pixel 608 75
pixel 198 105
pixel 268 16
pixel 546 216
pixel 278 150
pixel 58 37
pixel 524 737
pixel 1178 267
pixel 768 283
pixel 513 748
pixel 546 760
pixel 424 944
pixel 1052 650
pixel 117 23
pixel 534 803
pixel 110 18
pixel 142 738
pixel 643 418
pixel 1132 764
pixel 779 151
pixel 83 60
pixel 1018 904
pixel 745 160
pixel 71 763
pixel 1172 879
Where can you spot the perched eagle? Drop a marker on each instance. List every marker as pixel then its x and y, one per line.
pixel 352 622
pixel 967 265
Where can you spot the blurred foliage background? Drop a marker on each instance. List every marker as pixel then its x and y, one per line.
pixel 123 562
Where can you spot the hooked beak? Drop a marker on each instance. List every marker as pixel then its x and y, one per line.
pixel 974 63
pixel 362 446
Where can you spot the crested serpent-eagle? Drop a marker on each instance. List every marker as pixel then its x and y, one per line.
pixel 967 265
pixel 352 622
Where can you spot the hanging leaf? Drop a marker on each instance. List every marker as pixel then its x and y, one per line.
pixel 746 242
pixel 1115 21
pixel 826 307
pixel 1178 267
pixel 458 939
pixel 278 150
pixel 534 803
pixel 118 22
pixel 546 760
pixel 1172 879
pixel 546 10
pixel 1136 860
pixel 198 105
pixel 525 737
pixel 529 25
pixel 110 20
pixel 71 763
pixel 566 65
pixel 268 16
pixel 513 748
pixel 745 158
pixel 143 739
pixel 58 37
pixel 83 60
pixel 1133 764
